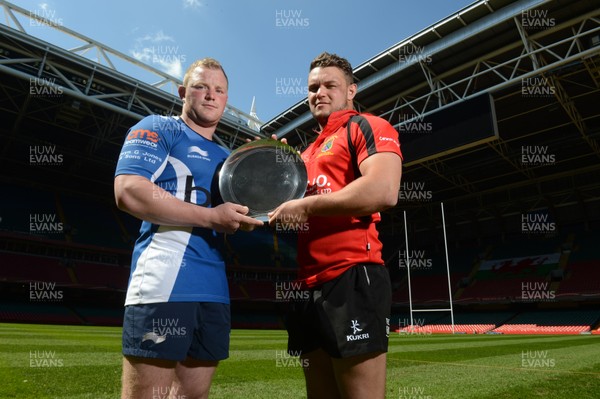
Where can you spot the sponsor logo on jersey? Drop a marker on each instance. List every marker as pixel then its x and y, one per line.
pixel 326 147
pixel 393 140
pixel 203 195
pixel 319 185
pixel 197 152
pixel 144 137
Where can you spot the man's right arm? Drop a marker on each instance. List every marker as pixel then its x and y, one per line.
pixel 145 200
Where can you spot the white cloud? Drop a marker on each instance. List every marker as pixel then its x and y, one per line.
pixel 157 37
pixel 173 67
pixel 192 4
pixel 144 54
pixel 161 51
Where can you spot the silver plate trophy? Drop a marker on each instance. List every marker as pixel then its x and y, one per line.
pixel 262 175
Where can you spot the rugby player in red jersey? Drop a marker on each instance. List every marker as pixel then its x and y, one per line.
pixel 354 171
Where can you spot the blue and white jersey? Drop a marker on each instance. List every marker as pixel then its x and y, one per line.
pixel 175 264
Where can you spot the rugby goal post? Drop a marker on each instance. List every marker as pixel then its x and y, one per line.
pixel 410 304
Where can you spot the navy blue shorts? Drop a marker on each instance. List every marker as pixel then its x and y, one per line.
pixel 177 330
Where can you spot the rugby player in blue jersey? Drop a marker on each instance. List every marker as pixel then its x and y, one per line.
pixel 177 317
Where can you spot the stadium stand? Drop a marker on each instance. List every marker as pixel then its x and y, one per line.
pixel 256 321
pixel 540 322
pixel 98 275
pixel 93 223
pixel 34 313
pixel 32 211
pixel 65 249
pixel 553 322
pixel 582 274
pixel 95 315
pixel 466 323
pixel 26 268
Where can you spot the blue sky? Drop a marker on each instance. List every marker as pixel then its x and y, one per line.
pixel 264 45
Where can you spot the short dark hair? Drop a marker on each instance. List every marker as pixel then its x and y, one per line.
pixel 326 59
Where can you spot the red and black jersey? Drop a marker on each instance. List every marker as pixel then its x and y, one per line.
pixel 332 244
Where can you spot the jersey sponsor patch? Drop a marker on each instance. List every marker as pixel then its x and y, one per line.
pixel 196 152
pixel 142 137
pixel 389 139
pixel 326 147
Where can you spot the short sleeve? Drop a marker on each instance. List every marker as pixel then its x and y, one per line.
pixel 374 135
pixel 146 147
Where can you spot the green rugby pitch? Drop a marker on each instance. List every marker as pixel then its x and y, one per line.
pixel 76 362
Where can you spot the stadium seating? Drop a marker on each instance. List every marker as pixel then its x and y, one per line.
pixel 31 268
pixel 447 329
pixel 92 256
pixel 28 205
pixel 102 228
pixel 543 322
pixel 38 313
pixel 466 323
pixel 259 290
pixel 256 320
pixel 100 316
pixel 62 272
pixel 237 292
pixel 537 329
pixel 582 274
pixel 551 322
pixel 98 275
pixel 581 278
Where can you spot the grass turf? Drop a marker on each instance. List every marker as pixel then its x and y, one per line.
pixel 46 361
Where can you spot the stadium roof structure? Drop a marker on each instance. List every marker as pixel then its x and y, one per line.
pixel 532 67
pixel 539 63
pixel 79 103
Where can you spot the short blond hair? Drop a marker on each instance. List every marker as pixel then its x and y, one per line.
pixel 209 63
